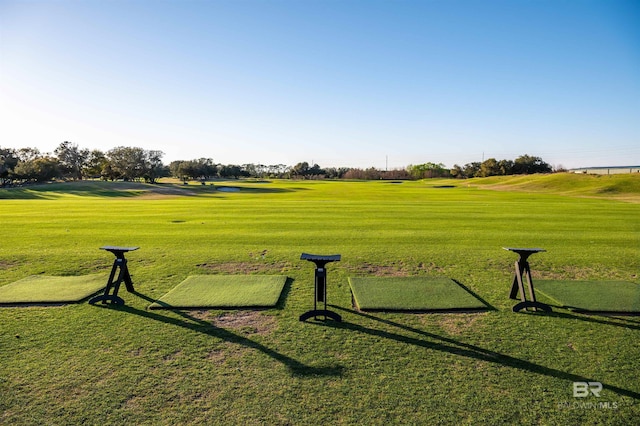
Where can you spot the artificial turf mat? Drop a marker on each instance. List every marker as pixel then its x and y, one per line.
pixel 592 296
pixel 223 291
pixel 411 294
pixel 52 289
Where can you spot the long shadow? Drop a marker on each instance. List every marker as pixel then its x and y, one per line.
pixel 490 307
pixel 448 345
pixel 633 322
pixel 23 194
pixel 194 324
pixel 284 295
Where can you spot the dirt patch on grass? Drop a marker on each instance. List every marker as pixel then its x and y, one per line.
pixel 6 264
pixel 155 192
pixel 246 322
pixel 246 267
pixel 227 352
pixel 396 269
pixel 580 273
pixel 457 324
pixel 172 356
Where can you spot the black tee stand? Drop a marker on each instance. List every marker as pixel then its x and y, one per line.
pixel 123 275
pixel 320 287
pixel 522 271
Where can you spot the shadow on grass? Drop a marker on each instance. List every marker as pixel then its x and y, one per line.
pixel 452 346
pixel 489 307
pixel 79 188
pixel 119 189
pixel 626 320
pixel 201 326
pixel 282 300
pixel 25 194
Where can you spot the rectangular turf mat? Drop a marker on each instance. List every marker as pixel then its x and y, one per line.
pixel 593 296
pixel 223 291
pixel 411 294
pixel 52 289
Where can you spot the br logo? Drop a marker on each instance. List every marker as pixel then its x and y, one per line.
pixel 583 389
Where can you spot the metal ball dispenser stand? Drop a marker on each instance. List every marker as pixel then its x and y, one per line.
pixel 522 274
pixel 113 284
pixel 320 287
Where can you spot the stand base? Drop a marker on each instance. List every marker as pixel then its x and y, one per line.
pixel 321 312
pixel 115 300
pixel 529 304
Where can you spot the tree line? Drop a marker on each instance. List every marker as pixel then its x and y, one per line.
pixel 69 161
pixel 523 165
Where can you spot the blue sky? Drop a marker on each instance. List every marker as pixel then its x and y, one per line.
pixel 334 82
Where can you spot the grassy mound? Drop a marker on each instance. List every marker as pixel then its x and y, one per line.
pixel 622 186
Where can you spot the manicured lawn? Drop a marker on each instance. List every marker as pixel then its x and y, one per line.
pixel 100 365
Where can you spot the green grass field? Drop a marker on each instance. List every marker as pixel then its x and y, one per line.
pixel 128 365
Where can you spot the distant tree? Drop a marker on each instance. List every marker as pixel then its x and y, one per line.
pixel 153 167
pixel 208 168
pixel 108 172
pixel 471 169
pixel 72 159
pixel 396 174
pixel 300 170
pixel 278 170
pixel 40 169
pixel 335 173
pixel 203 168
pixel 95 163
pixel 354 173
pixel 28 154
pixel 489 167
pixel 363 174
pixel 176 168
pixel 315 171
pixel 457 172
pixel 250 169
pixel 505 167
pixel 427 170
pixel 127 163
pixel 8 162
pixel 526 164
pixel 230 171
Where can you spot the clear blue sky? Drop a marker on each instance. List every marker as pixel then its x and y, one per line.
pixel 335 82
